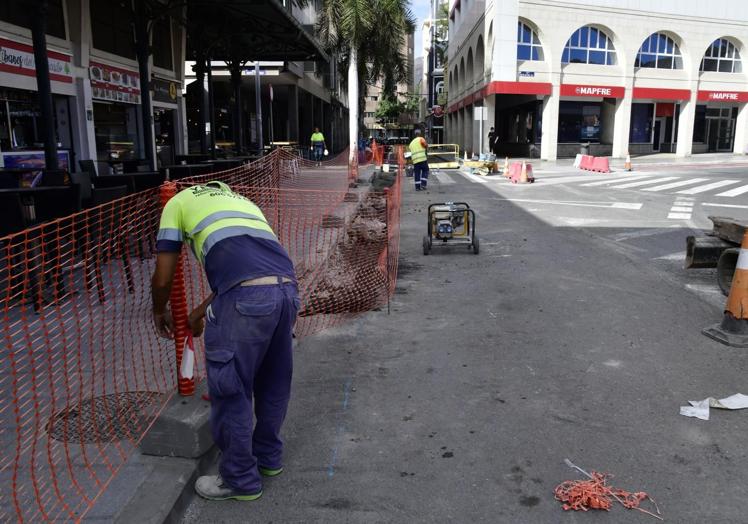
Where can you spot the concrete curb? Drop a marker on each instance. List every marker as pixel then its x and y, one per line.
pixel 166 493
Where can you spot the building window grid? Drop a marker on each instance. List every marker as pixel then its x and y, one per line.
pixel 589 45
pixel 528 43
pixel 722 56
pixel 659 51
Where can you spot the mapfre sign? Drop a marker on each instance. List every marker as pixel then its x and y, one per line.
pixel 592 91
pixel 723 96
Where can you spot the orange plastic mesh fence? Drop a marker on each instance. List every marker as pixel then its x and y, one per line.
pixel 83 374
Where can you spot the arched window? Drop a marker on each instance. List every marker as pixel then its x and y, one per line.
pixel 589 45
pixel 659 51
pixel 722 56
pixel 528 44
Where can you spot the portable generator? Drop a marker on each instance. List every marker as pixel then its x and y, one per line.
pixel 450 223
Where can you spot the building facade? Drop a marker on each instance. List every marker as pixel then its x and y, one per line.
pixel 95 82
pixel 435 51
pixel 373 125
pixel 608 73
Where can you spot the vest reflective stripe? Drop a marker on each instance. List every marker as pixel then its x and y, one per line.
pixel 222 215
pixel 169 234
pixel 204 215
pixel 232 231
pixel 419 152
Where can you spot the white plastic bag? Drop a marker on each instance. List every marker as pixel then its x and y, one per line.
pixel 326 152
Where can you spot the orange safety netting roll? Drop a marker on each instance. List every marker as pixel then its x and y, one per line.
pixel 83 374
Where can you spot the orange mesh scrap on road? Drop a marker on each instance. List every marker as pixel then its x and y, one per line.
pixel 595 493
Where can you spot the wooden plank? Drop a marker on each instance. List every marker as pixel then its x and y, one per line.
pixel 729 229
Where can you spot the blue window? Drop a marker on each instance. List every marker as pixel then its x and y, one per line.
pixel 659 51
pixel 722 56
pixel 589 45
pixel 528 44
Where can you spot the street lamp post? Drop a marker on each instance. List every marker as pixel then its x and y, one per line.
pixel 44 89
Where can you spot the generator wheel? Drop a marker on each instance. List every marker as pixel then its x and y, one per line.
pixel 476 245
pixel 426 245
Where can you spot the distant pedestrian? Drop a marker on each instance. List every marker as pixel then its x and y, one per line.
pixel 318 145
pixel 493 141
pixel 418 148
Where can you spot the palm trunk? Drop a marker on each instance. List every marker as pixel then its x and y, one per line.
pixel 353 105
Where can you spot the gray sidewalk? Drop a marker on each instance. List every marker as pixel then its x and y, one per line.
pixel 461 405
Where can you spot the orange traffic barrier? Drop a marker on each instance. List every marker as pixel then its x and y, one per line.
pixel 522 173
pixel 733 330
pixel 598 164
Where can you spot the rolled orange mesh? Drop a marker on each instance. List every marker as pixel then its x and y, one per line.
pixel 83 374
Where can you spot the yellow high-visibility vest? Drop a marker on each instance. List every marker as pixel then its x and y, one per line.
pixel 418 151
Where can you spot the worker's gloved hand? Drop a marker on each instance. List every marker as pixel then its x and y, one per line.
pixel 164 324
pixel 197 322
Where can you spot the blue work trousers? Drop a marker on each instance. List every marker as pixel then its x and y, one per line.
pixel 318 152
pixel 421 174
pixel 248 352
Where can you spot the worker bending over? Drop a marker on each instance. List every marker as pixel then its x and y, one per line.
pixel 418 147
pixel 250 317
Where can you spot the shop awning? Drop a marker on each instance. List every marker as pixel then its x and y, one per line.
pixel 249 30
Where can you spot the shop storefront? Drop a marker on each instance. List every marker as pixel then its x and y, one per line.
pixel 587 116
pixel 116 113
pixel 21 132
pixel 165 106
pixel 714 124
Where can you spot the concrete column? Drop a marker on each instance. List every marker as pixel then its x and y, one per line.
pixel 622 125
pixel 741 131
pixel 490 103
pixel 685 126
pixel 293 114
pixel 549 131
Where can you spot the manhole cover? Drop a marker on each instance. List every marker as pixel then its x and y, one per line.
pixel 107 418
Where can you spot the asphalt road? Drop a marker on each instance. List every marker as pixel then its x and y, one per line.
pixel 573 334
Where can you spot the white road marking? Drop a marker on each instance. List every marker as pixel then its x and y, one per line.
pixel 734 192
pixel 679 216
pixel 736 206
pixel 642 233
pixel 680 255
pixel 673 185
pixel 681 209
pixel 708 187
pixel 443 178
pixel 646 182
pixel 610 205
pixel 474 178
pixel 614 180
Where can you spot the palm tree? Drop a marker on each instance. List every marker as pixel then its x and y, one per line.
pixel 368 36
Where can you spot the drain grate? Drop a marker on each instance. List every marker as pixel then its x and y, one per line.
pixel 107 418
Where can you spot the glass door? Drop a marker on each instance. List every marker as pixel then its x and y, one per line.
pixel 725 137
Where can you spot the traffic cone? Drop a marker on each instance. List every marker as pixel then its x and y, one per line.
pixel 506 167
pixel 465 159
pixel 523 174
pixel 627 164
pixel 733 330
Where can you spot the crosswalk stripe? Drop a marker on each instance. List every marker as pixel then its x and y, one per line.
pixel 708 187
pixel 614 180
pixel 673 185
pixel 679 216
pixel 735 191
pixel 646 182
pixel 443 178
